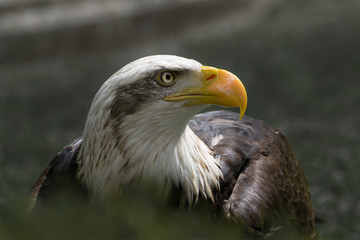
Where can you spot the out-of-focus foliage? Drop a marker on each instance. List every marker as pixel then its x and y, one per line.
pixel 126 219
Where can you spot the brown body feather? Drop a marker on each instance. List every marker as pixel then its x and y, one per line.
pixel 60 174
pixel 263 185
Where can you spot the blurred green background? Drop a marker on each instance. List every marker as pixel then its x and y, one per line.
pixel 298 59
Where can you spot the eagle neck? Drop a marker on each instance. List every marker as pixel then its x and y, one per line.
pixel 151 149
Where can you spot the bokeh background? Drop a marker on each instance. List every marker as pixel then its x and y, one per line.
pixel 298 59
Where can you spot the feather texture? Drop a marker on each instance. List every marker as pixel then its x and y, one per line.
pixel 247 169
pixel 261 183
pixel 264 185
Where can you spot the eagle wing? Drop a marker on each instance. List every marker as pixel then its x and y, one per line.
pixel 60 174
pixel 263 184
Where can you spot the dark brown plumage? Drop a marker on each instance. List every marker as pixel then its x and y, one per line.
pixel 142 127
pixel 263 182
pixel 264 187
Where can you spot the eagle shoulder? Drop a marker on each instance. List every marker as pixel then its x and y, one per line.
pixel 61 171
pixel 263 184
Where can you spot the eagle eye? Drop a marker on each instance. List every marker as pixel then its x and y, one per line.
pixel 166 78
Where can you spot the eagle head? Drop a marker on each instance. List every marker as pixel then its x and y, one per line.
pixel 136 129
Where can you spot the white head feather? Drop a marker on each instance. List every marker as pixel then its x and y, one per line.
pixel 152 143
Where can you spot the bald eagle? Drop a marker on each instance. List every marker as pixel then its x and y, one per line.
pixel 143 125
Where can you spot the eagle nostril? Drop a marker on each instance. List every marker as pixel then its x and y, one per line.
pixel 211 77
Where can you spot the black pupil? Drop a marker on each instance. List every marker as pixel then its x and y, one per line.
pixel 167 76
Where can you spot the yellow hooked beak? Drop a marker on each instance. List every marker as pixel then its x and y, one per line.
pixel 220 87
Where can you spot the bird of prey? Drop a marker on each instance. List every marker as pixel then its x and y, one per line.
pixel 143 126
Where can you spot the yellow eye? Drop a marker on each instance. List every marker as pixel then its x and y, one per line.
pixel 167 78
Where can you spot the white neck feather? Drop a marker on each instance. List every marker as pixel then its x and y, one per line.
pixel 158 147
